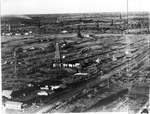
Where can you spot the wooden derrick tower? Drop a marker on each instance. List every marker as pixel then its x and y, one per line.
pixel 78 32
pixel 9 28
pixel 57 53
pixel 57 61
pixel 120 16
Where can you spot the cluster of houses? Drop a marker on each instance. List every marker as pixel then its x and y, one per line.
pixel 44 88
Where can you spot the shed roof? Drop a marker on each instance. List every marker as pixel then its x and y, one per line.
pixel 13 103
pixel 6 92
pixel 81 73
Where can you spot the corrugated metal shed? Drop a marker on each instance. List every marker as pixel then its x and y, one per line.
pixel 13 105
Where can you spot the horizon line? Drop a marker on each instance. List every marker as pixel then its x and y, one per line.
pixel 76 13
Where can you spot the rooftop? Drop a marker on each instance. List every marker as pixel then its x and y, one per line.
pixel 13 103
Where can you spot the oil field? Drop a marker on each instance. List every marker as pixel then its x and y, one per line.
pixel 67 63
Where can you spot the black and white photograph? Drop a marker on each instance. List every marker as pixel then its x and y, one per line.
pixel 75 56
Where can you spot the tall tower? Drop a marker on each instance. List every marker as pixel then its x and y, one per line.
pixel 57 53
pixel 112 22
pixel 97 25
pixel 120 16
pixel 15 64
pixel 78 32
pixel 9 28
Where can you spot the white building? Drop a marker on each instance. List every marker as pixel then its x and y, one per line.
pixel 29 84
pixel 98 60
pixel 30 32
pixel 64 31
pixel 114 58
pixel 7 34
pixel 17 34
pixel 55 87
pixel 14 105
pixel 32 48
pixel 58 86
pixel 45 88
pixel 26 33
pixel 3 34
pixel 81 74
pixel 42 93
pixel 77 64
pixel 7 93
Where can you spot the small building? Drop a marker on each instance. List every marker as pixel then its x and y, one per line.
pixel 45 93
pixel 26 33
pixel 32 48
pixel 86 35
pixel 98 60
pixel 7 34
pixel 57 65
pixel 15 105
pixel 30 32
pixel 29 84
pixel 45 87
pixel 114 58
pixel 63 56
pixel 24 50
pixel 55 87
pixel 42 93
pixel 77 64
pixel 32 84
pixel 3 34
pixel 5 62
pixel 17 34
pixel 64 31
pixel 58 86
pixel 81 74
pixel 66 65
pixel 7 93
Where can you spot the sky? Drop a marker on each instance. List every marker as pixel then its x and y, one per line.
pixel 71 6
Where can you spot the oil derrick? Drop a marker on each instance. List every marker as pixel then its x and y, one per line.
pixel 78 32
pixel 9 28
pixel 112 22
pixel 39 27
pixel 80 20
pixel 15 63
pixel 97 25
pixel 57 53
pixel 120 16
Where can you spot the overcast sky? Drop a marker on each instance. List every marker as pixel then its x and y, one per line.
pixel 71 6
